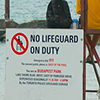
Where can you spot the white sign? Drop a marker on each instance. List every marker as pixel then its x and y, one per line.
pixel 44 64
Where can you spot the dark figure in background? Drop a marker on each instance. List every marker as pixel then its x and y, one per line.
pixel 58 14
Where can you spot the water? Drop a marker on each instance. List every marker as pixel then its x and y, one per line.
pixel 25 10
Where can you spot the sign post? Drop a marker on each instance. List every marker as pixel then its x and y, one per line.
pixel 44 64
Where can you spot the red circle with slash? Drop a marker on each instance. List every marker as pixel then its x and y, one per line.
pixel 23 48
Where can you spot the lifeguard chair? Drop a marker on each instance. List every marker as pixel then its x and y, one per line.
pixel 90 47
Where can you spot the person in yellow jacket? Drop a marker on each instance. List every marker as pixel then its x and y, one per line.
pixel 93 17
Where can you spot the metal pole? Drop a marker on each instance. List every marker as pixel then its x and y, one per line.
pixel 84 66
pixel 93 50
pixel 7 15
pixel 91 54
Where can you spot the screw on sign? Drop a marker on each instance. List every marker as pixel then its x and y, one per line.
pixel 20 48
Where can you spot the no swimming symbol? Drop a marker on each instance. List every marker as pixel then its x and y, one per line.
pixel 19 48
